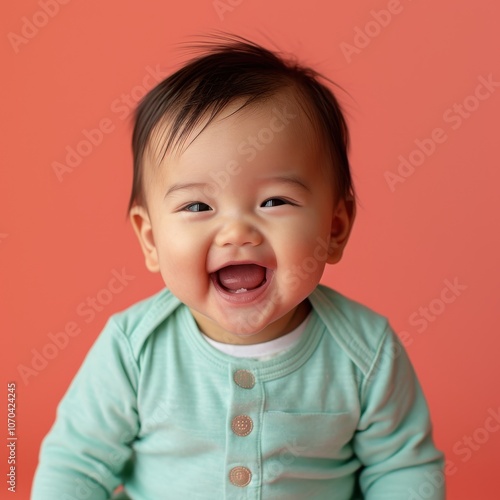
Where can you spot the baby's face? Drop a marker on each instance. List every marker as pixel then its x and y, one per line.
pixel 241 223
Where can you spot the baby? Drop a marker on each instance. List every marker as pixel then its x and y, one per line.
pixel 244 378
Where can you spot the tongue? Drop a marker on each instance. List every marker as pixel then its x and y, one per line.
pixel 247 276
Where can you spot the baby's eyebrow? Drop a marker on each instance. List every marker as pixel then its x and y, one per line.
pixel 284 179
pixel 183 185
pixel 288 179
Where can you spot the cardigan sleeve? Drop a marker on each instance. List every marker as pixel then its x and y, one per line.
pixel 88 448
pixel 394 435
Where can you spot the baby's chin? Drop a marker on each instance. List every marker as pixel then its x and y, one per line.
pixel 251 327
pixel 242 332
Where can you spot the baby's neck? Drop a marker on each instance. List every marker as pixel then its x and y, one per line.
pixel 278 328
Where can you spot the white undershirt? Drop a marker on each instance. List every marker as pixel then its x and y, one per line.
pixel 264 350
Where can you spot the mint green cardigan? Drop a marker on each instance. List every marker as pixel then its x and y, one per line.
pixel 340 415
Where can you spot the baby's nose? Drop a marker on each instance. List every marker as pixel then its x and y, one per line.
pixel 238 232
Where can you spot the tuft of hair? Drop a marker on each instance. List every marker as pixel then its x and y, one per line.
pixel 232 67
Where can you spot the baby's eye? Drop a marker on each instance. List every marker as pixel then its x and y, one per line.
pixel 274 202
pixel 197 207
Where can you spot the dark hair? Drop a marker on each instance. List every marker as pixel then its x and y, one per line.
pixel 233 68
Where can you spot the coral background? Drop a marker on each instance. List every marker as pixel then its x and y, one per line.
pixel 425 153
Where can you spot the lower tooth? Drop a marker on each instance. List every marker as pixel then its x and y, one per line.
pixel 240 290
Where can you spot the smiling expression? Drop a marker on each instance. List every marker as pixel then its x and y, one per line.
pixel 241 222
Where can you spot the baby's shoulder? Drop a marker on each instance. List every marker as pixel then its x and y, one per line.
pixel 356 328
pixel 141 319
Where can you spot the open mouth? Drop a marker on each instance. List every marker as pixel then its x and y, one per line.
pixel 241 278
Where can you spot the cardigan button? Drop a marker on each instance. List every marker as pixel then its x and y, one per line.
pixel 242 425
pixel 244 379
pixel 240 476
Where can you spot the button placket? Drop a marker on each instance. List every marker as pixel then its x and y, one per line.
pixel 242 458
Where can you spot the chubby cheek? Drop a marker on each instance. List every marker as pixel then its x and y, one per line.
pixel 303 258
pixel 303 240
pixel 303 268
pixel 183 264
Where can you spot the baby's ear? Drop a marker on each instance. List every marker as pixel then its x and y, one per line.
pixel 342 221
pixel 141 223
